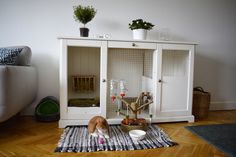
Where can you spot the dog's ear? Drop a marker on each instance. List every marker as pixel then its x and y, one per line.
pixel 92 126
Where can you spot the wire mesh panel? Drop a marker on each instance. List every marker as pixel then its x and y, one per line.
pixel 129 65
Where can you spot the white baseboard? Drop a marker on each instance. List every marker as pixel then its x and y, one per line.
pixel 223 105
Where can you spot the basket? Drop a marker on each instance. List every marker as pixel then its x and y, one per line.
pixel 141 125
pixel 201 102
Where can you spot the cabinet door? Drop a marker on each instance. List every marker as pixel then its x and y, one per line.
pixel 83 79
pixel 175 77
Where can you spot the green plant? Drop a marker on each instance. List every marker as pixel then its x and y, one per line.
pixel 84 14
pixel 140 24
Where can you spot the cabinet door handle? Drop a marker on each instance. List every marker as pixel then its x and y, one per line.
pixel 160 81
pixel 103 80
pixel 133 44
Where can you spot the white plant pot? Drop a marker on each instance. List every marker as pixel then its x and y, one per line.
pixel 139 34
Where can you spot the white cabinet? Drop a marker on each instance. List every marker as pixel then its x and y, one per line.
pixel 87 65
pixel 174 82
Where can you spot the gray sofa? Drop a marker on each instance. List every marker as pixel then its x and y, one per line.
pixel 18 80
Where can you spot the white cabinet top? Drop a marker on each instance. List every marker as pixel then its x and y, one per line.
pixel 119 40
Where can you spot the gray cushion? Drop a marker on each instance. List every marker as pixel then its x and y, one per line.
pixel 15 55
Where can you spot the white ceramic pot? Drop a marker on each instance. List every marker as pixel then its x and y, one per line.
pixel 139 34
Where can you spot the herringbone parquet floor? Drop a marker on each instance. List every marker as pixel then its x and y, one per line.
pixel 24 137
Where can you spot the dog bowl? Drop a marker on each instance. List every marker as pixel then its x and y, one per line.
pixel 137 135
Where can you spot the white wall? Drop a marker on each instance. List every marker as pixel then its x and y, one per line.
pixel 211 23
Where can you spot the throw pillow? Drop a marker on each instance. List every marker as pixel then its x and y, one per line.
pixel 9 55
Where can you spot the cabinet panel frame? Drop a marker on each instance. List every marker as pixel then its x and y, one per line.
pixel 188 111
pixel 65 113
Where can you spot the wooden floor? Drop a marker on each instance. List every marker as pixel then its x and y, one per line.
pixel 24 137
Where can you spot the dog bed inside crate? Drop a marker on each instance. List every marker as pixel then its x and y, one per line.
pixel 84 102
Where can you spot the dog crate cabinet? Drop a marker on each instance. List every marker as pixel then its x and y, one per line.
pixel 163 68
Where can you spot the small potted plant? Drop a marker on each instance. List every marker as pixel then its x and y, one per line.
pixel 84 15
pixel 140 28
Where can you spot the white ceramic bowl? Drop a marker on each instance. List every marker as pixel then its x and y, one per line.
pixel 137 135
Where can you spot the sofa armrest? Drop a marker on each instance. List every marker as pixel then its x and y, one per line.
pixel 24 58
pixel 18 88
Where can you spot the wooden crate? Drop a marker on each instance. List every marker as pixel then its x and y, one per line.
pixel 83 83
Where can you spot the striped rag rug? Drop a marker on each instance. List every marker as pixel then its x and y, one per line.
pixel 77 139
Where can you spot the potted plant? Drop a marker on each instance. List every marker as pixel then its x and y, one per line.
pixel 140 27
pixel 84 15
